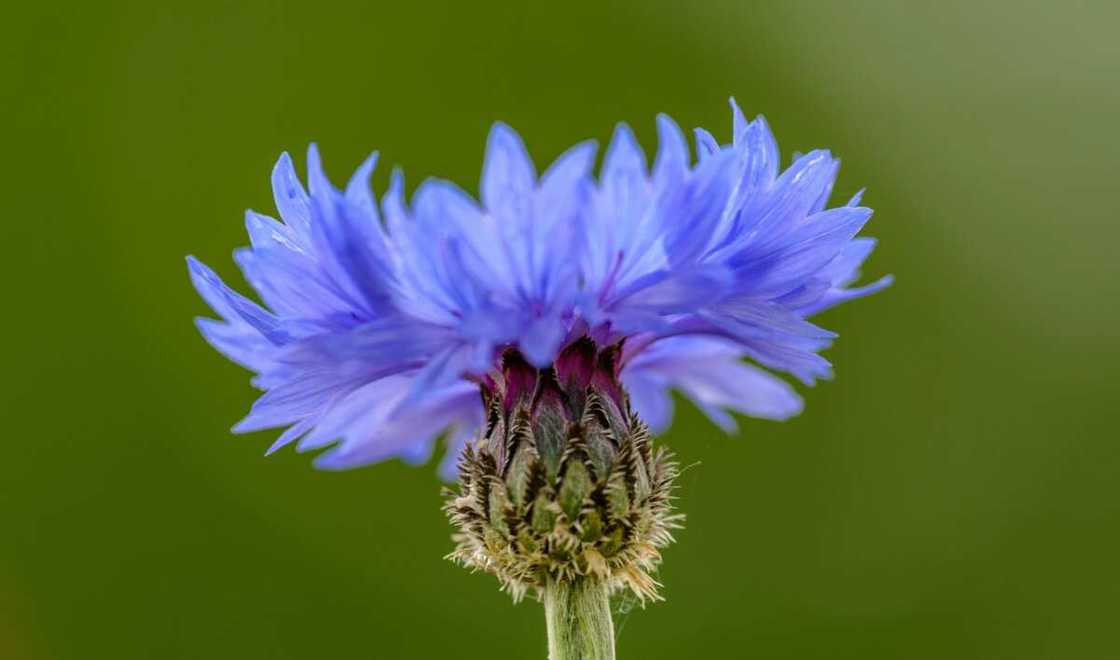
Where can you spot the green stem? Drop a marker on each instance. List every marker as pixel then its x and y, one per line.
pixel 579 621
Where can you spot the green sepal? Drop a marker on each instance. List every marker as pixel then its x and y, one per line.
pixel 574 489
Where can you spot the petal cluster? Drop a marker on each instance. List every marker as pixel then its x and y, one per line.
pixel 378 317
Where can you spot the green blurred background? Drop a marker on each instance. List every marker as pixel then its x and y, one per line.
pixel 953 494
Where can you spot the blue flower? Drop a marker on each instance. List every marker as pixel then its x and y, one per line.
pixel 380 319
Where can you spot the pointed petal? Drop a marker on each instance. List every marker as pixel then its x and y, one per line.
pixel 706 143
pixel 573 166
pixel 359 197
pixel 838 296
pixel 508 173
pixel 624 158
pixel 291 200
pixel 672 160
pixel 231 305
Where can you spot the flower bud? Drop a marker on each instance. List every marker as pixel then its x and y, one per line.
pixel 563 484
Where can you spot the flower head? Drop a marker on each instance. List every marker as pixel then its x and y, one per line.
pixel 380 321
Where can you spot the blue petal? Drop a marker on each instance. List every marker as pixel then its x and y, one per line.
pixel 359 197
pixel 266 233
pixel 795 192
pixel 650 397
pixel 571 169
pixel 407 432
pixel 801 361
pixel 739 123
pixel 541 340
pixel 711 373
pixel 756 144
pixel 802 252
pixel 706 144
pixel 624 159
pixel 290 402
pixel 694 216
pixel 746 318
pixel 838 296
pixel 232 305
pixel 508 173
pixel 392 204
pixel 238 342
pixel 320 185
pixel 671 164
pixel 291 200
